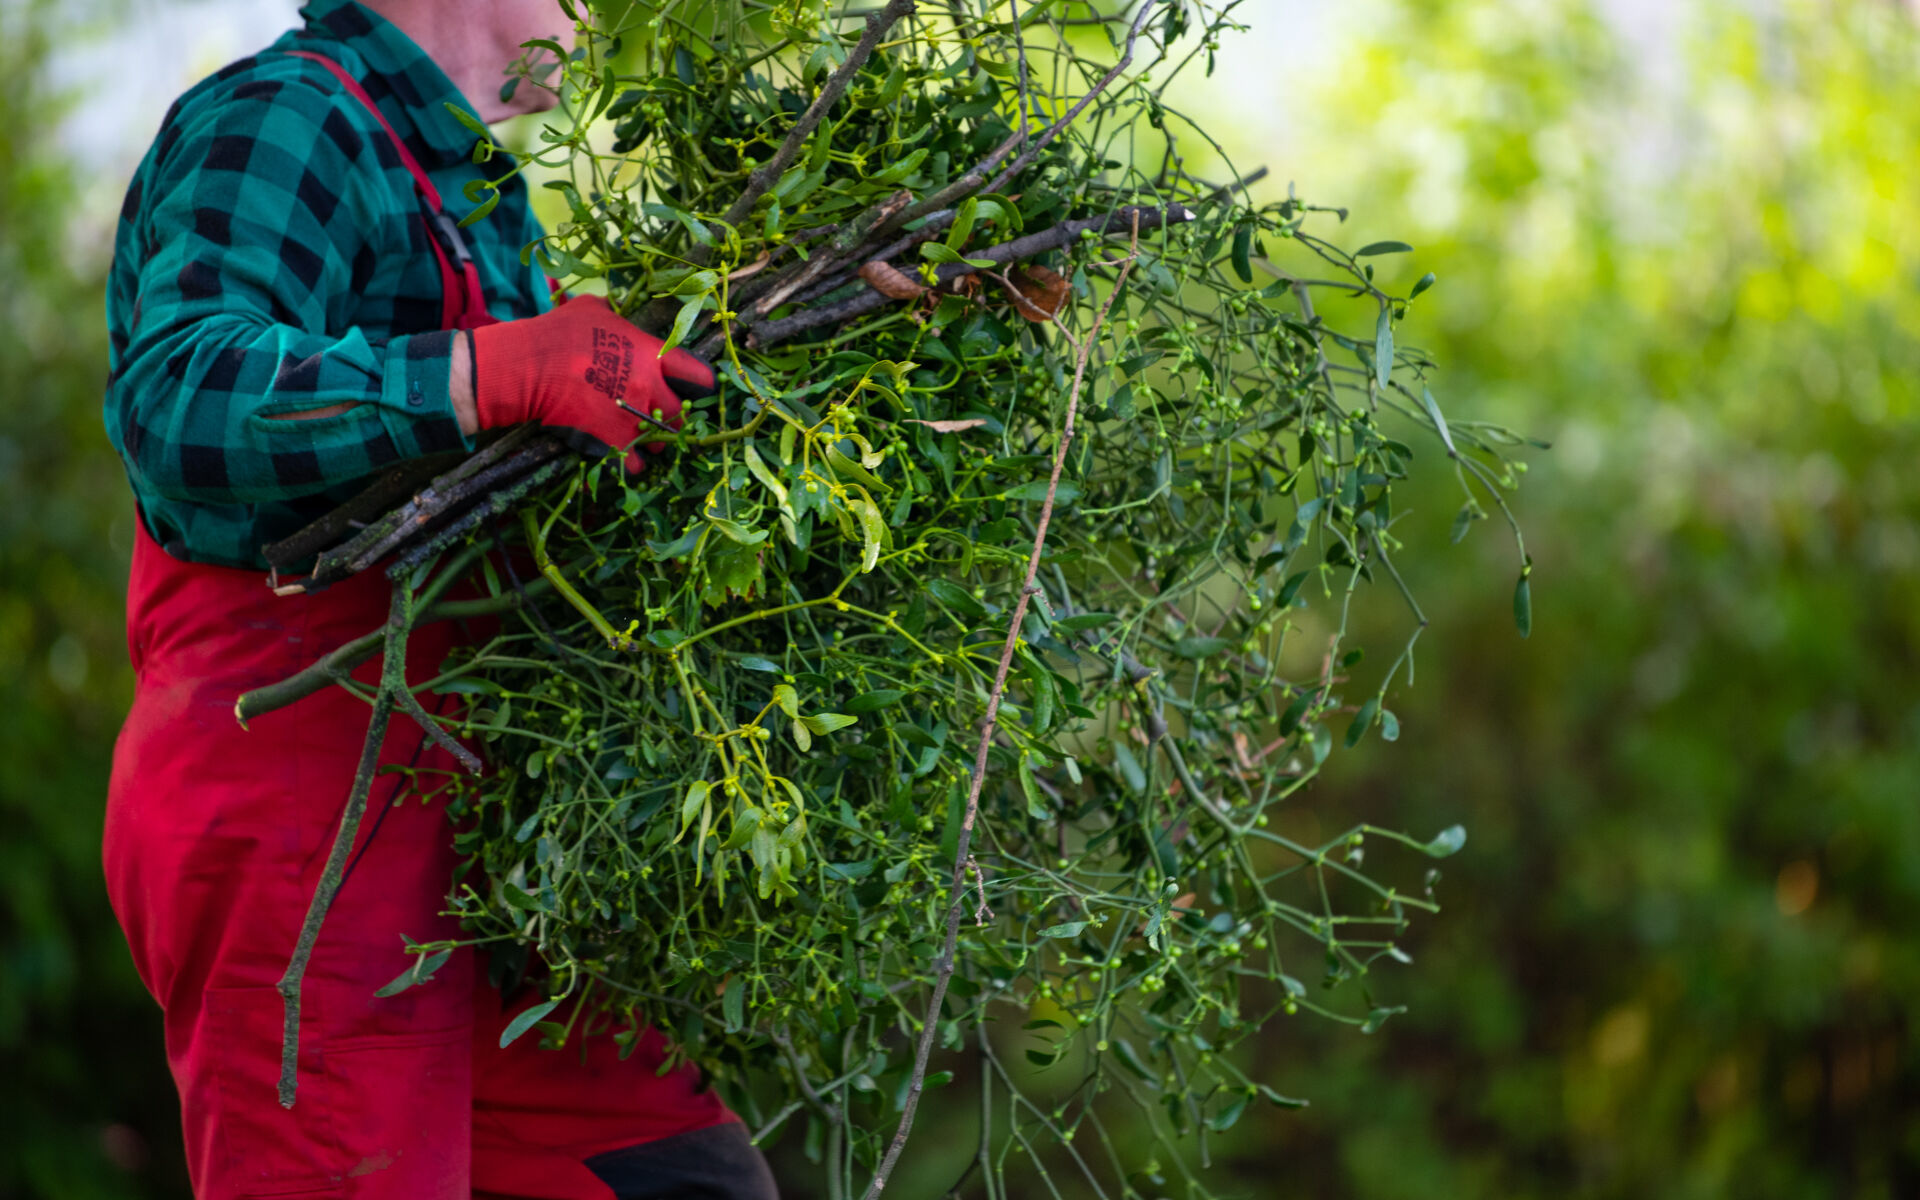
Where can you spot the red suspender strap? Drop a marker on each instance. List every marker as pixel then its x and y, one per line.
pixel 463 305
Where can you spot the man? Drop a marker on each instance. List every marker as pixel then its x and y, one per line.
pixel 291 308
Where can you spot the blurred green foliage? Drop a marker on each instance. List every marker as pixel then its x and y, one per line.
pixel 88 1110
pixel 1677 957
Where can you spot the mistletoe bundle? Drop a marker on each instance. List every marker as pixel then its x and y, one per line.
pixel 924 711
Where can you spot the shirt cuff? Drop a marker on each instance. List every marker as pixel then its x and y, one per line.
pixel 414 399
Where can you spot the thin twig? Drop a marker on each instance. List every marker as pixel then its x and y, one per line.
pixel 769 172
pixel 944 966
pixel 430 725
pixel 1067 118
pixel 973 180
pixel 935 211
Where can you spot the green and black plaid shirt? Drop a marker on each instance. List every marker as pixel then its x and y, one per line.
pixel 271 259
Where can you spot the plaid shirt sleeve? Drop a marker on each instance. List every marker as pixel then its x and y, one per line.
pixel 261 219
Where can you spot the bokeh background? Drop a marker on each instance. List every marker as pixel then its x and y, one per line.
pixel 1679 239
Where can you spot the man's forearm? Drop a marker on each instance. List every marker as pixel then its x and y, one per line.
pixel 460 384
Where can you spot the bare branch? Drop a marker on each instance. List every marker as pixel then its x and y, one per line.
pixel 1063 234
pixel 769 172
pixel 393 682
pixel 943 971
pixel 935 212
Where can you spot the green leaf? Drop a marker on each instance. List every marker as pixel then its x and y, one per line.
pixel 1523 603
pixel 733 1004
pixel 753 662
pixel 678 547
pixel 848 469
pixel 1383 345
pixel 824 723
pixel 760 471
pixel 1296 712
pixel 1070 929
pixel 420 972
pixel 1242 246
pixel 1378 1017
pixel 913 735
pixel 1426 281
pixel 690 807
pixel 938 252
pixel 956 598
pixel 1439 421
pixel 787 699
pixel 1276 1099
pixel 485 206
pixel 1037 809
pixel 525 1021
pixel 1129 767
pixel 518 898
pixel 1225 1119
pixel 1200 647
pixel 1447 841
pixel 1389 726
pixel 873 701
pixel 1362 721
pixel 1081 622
pixel 746 824
pixel 696 283
pixel 560 264
pixel 901 169
pixel 737 532
pixel 873 532
pixel 1130 1059
pixel 962 227
pixel 1036 489
pixel 1462 521
pixel 462 115
pixel 1373 248
pixel 683 321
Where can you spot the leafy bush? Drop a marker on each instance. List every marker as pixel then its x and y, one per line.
pixel 946 667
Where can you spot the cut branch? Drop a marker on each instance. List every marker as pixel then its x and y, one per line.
pixel 872 229
pixel 340 662
pixel 393 683
pixel 962 853
pixel 769 172
pixel 1063 234
pixel 975 180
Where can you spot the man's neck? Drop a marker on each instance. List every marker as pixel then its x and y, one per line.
pixel 473 47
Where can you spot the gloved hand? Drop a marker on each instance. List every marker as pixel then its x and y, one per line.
pixel 573 368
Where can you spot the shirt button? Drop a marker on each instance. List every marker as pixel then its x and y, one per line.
pixel 416 395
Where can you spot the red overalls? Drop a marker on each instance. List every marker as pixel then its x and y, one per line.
pixel 215 838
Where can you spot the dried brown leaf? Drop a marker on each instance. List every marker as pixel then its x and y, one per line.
pixel 891 282
pixel 754 267
pixel 1037 293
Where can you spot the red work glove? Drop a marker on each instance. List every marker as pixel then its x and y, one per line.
pixel 573 368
